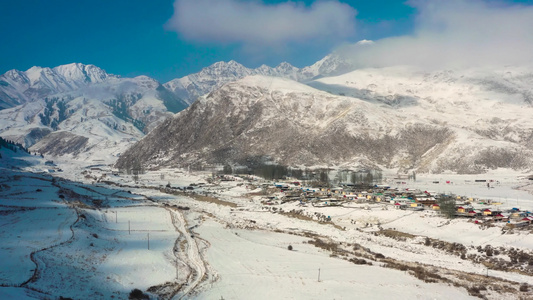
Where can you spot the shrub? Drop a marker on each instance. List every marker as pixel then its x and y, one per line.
pixel 524 287
pixel 379 255
pixel 137 294
pixel 359 261
pixel 474 291
pixel 488 250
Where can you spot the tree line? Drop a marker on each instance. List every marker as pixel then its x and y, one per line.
pixel 12 145
pixel 320 176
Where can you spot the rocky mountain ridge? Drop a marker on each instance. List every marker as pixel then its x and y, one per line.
pixel 213 77
pixel 19 87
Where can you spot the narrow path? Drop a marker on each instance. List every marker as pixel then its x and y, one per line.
pixel 36 271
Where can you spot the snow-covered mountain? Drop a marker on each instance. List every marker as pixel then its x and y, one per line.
pixel 213 77
pixel 80 110
pixel 467 122
pixel 18 87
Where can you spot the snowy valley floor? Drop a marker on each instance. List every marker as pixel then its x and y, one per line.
pixel 72 237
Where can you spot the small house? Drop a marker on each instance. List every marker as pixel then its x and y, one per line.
pixel 529 220
pixel 472 213
pixel 487 212
pixel 398 205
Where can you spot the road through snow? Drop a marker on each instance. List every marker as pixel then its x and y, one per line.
pixel 193 254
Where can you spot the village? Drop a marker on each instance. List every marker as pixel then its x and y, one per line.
pixel 316 194
pixel 349 195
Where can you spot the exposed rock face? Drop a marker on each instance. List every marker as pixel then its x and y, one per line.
pixel 259 119
pixel 61 143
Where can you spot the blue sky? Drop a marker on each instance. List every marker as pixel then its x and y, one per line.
pixel 133 37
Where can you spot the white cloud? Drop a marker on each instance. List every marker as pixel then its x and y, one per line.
pixel 255 24
pixel 455 33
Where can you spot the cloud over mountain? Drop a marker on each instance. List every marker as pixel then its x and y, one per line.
pixel 255 24
pixel 455 33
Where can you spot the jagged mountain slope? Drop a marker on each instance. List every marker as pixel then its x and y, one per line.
pixel 210 78
pixel 265 118
pixel 99 113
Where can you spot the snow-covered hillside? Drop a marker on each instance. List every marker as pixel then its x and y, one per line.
pixel 487 109
pixel 391 118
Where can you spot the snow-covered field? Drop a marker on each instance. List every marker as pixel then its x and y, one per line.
pixel 75 237
pixel 259 263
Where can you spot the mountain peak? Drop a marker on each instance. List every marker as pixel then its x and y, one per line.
pixel 79 72
pixel 223 64
pixel 16 75
pixel 286 66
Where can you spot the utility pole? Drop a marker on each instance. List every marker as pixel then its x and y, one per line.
pixel 318 274
pixel 116 217
pixel 129 227
pixel 148 240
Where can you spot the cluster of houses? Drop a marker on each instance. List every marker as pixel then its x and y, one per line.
pixel 348 194
pixel 513 217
